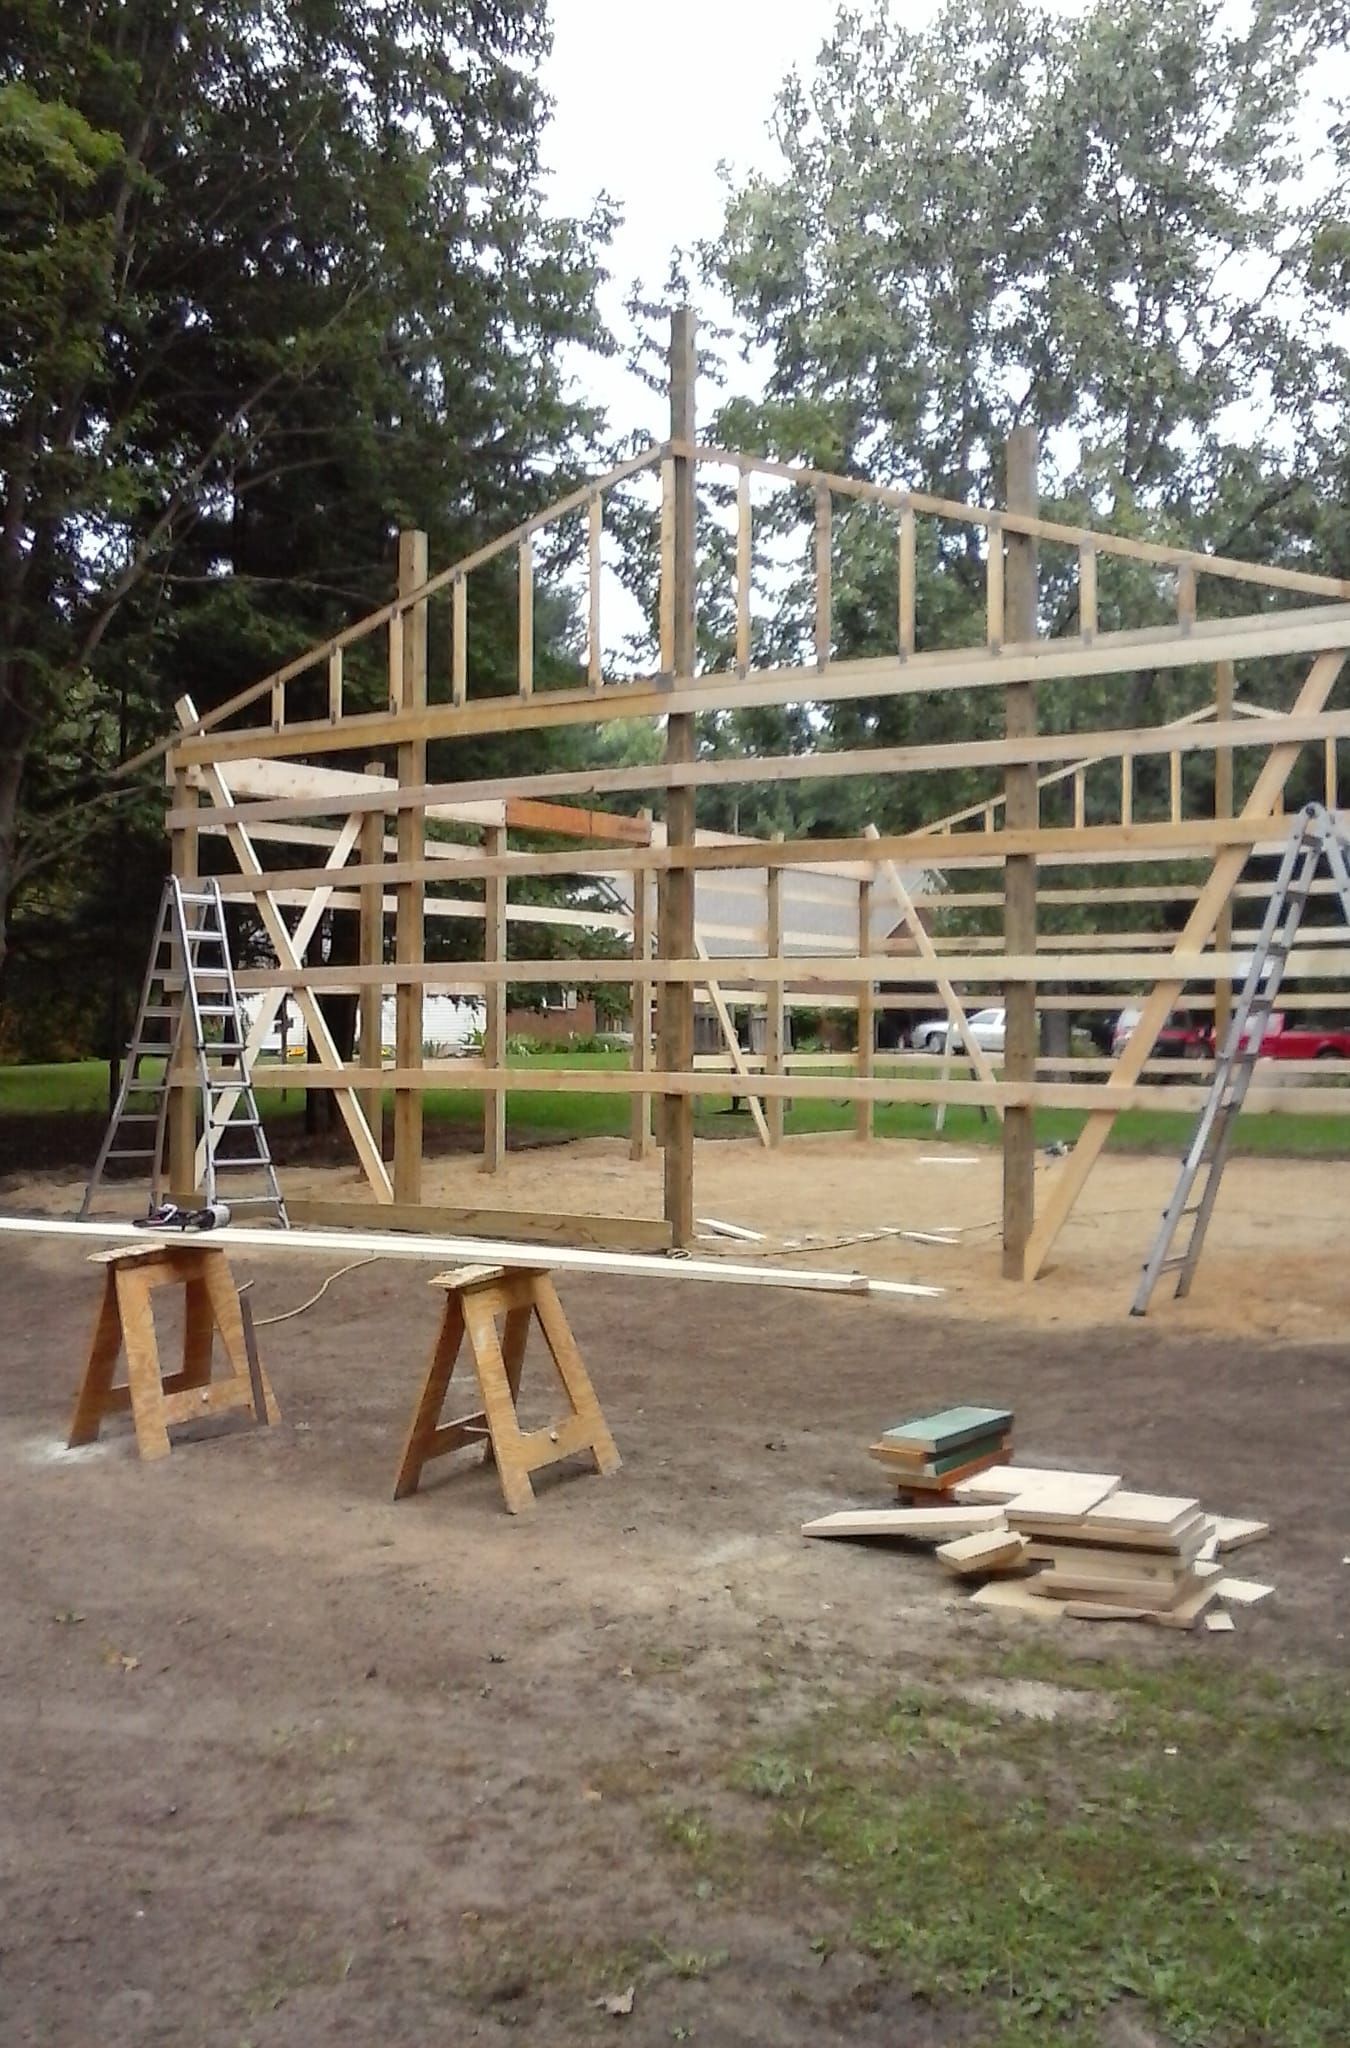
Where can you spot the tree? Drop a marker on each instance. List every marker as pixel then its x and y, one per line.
pixel 277 281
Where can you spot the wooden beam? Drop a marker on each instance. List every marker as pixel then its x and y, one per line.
pixel 370 950
pixel 863 1120
pixel 494 1036
pixel 601 1233
pixel 595 516
pixel 679 601
pixel 907 585
pixel 1266 794
pixel 775 1016
pixel 410 895
pixel 824 635
pixel 1022 811
pixel 525 621
pixel 644 893
pixel 1073 749
pixel 745 571
pixel 1246 638
pixel 459 640
pixel 1225 680
pixel 466 1078
pixel 1087 592
pixel 568 821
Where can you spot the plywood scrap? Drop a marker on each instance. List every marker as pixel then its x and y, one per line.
pixel 716 1228
pixel 1231 1532
pixel 1245 1591
pixel 1015 1596
pixel 992 1550
pixel 926 1525
pixel 1159 1515
pixel 1149 1595
pixel 946 1430
pixel 1219 1620
pixel 1185 1614
pixel 1064 1502
pixel 1008 1482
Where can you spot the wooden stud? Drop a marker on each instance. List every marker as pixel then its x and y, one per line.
pixel 494 1036
pixel 335 685
pixel 1174 785
pixel 1080 798
pixel 640 1125
pixel 775 1016
pixel 537 1227
pixel 1329 780
pixel 735 1051
pixel 1225 682
pixel 1021 811
pixel 370 948
pixel 745 570
pixel 824 578
pixel 1126 790
pixel 864 1112
pixel 996 627
pixel 595 514
pixel 907 583
pixel 666 594
pixel 676 908
pixel 410 896
pixel 525 620
pixel 459 641
pixel 396 662
pixel 1186 596
pixel 1087 594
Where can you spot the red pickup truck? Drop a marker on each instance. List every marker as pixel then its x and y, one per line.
pixel 1283 1040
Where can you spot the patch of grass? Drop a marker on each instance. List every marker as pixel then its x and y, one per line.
pixel 1185 1852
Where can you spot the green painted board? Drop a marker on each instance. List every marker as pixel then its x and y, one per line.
pixel 948 1429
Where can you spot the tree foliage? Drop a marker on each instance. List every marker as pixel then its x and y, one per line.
pixel 277 280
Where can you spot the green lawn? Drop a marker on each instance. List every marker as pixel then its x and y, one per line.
pixel 82 1085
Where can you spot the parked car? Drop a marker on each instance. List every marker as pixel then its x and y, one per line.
pixel 1184 1036
pixel 985 1027
pixel 1284 1040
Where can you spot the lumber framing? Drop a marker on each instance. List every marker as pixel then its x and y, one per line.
pixel 856 924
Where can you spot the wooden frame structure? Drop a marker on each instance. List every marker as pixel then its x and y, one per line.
pixel 301 778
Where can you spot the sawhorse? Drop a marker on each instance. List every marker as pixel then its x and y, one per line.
pixel 126 1321
pixel 474 1298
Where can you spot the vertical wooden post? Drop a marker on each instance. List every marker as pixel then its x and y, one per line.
pixel 183 1091
pixel 679 562
pixel 410 688
pixel 1224 681
pixel 494 1037
pixel 370 952
pixel 1021 809
pixel 864 1112
pixel 775 1020
pixel 640 1119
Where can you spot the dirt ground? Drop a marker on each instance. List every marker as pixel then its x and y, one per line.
pixel 283 1763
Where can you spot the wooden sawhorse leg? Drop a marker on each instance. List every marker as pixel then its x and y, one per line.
pixel 475 1297
pixel 126 1322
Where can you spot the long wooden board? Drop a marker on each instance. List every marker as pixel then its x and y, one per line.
pixel 594 1233
pixel 476 1250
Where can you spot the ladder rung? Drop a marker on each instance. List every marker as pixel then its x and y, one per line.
pixel 122 1153
pixel 196 896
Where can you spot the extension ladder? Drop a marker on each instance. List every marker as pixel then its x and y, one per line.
pixel 1315 834
pixel 189 1011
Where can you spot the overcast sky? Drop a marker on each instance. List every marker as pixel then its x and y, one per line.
pixel 649 99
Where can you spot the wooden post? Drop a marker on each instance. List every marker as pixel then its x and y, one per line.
pixel 183 1090
pixel 640 1124
pixel 370 950
pixel 1225 677
pixel 1021 808
pixel 775 1033
pixel 410 685
pixel 864 1112
pixel 679 563
pixel 494 1037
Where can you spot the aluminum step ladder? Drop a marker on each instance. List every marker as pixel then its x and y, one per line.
pixel 190 1005
pixel 1315 836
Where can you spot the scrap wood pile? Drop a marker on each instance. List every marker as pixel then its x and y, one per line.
pixel 1051 1542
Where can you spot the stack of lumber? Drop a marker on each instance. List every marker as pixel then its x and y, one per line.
pixel 934 1453
pixel 1055 1543
pixel 1129 1555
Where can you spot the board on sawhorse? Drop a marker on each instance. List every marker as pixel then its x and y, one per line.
pixel 475 1296
pixel 126 1322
